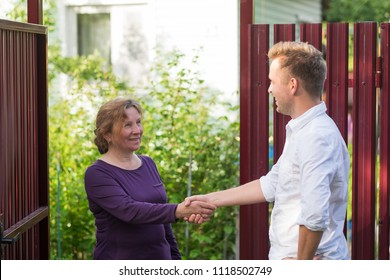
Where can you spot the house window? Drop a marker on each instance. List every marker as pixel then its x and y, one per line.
pixel 93 34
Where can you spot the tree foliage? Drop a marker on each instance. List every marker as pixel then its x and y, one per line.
pixel 195 151
pixel 362 10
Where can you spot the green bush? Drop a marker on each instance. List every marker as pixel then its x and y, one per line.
pixel 195 151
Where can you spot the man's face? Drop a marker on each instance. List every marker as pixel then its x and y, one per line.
pixel 280 88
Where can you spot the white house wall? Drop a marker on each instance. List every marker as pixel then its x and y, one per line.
pixel 186 25
pixel 287 11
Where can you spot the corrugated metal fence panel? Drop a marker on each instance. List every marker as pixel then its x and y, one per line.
pixel 19 180
pixel 260 139
pixel 336 85
pixel 384 188
pixel 253 142
pixel 41 215
pixel 257 144
pixel 20 177
pixel 364 141
pixel 312 34
pixel 246 212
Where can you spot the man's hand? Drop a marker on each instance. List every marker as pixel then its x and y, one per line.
pixel 197 218
pixel 200 211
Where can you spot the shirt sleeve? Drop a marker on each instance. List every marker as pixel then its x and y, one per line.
pixel 104 193
pixel 317 169
pixel 269 182
pixel 175 253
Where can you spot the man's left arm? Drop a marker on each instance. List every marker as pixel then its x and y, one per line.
pixel 308 243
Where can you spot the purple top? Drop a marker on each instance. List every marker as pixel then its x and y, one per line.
pixel 131 211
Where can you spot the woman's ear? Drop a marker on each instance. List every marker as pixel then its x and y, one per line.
pixel 108 137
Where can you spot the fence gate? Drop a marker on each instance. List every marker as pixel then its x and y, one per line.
pixel 367 104
pixel 23 140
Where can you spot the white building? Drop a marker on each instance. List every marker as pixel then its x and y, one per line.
pixel 126 32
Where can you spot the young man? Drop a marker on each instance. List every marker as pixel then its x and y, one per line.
pixel 309 183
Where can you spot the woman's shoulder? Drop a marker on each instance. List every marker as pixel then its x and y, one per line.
pixel 96 166
pixel 148 161
pixel 145 158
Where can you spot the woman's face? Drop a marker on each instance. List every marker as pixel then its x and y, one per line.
pixel 126 136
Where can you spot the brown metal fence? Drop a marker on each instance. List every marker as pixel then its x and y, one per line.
pixel 23 141
pixel 368 106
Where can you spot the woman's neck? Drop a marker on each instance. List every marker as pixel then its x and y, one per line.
pixel 128 161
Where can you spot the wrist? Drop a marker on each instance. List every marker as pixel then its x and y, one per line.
pixel 178 211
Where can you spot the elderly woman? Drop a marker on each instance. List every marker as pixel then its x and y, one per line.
pixel 126 193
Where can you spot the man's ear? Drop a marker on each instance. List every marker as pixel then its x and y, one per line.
pixel 293 83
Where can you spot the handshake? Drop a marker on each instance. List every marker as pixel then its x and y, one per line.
pixel 196 209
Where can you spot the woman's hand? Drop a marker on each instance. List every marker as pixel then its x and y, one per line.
pixel 198 218
pixel 195 211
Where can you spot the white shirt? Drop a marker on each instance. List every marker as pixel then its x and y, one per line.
pixel 309 186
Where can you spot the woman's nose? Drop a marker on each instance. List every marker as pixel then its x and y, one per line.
pixel 137 129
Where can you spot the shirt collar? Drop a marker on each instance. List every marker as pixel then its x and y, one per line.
pixel 301 121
